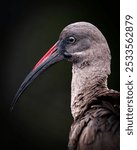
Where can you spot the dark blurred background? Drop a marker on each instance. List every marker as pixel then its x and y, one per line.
pixel 42 118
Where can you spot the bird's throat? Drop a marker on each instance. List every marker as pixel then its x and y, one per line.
pixel 86 84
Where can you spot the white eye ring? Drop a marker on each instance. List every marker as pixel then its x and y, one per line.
pixel 71 39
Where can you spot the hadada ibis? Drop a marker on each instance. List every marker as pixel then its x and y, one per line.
pixel 94 107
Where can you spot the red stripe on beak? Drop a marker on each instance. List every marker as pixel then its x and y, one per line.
pixel 53 56
pixel 50 51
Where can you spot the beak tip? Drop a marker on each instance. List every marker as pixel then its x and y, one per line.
pixel 12 105
pixel 11 109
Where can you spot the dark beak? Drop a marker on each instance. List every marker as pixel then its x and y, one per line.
pixel 55 54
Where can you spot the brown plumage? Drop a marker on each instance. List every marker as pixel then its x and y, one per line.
pixel 97 128
pixel 94 107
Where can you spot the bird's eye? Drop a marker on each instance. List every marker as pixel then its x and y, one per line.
pixel 71 39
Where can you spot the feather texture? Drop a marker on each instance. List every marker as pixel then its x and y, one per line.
pixel 98 127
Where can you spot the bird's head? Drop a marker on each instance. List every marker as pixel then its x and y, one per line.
pixel 78 42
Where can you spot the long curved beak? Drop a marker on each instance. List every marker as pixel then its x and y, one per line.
pixel 52 56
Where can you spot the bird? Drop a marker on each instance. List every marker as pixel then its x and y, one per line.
pixel 95 108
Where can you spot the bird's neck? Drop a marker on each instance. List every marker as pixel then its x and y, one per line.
pixel 86 84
